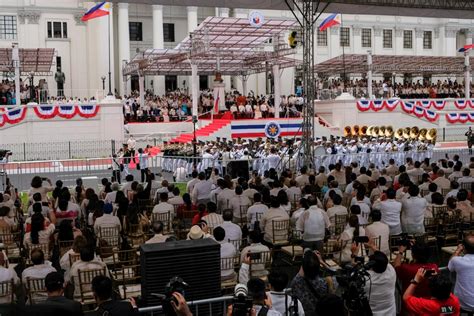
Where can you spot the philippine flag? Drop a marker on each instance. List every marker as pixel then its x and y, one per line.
pixel 97 11
pixel 333 19
pixel 466 48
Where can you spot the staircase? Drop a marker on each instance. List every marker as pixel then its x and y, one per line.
pixel 207 130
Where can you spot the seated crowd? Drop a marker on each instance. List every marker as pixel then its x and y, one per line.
pixel 177 105
pixel 331 88
pixel 82 243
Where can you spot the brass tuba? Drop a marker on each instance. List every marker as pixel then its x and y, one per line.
pixel 399 133
pixel 389 131
pixel 347 131
pixel 414 132
pixel 363 130
pixel 423 133
pixel 370 130
pixel 355 130
pixel 432 133
pixel 375 131
pixel 406 132
pixel 382 131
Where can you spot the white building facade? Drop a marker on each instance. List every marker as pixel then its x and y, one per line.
pixel 83 52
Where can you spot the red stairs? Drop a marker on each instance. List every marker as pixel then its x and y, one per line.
pixel 207 130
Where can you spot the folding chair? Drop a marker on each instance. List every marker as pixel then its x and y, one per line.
pixel 258 266
pixel 165 218
pixel 439 211
pixel 332 252
pixel 111 234
pixel 7 291
pixel 64 246
pixel 36 290
pixel 85 284
pixel 127 278
pixel 294 250
pixel 228 264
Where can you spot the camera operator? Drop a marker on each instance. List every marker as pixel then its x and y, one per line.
pixel 380 284
pixel 406 271
pixel 440 302
pixel 464 268
pixel 256 289
pixel 281 297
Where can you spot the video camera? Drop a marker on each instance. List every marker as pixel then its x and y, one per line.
pixel 5 153
pixel 241 303
pixel 176 284
pixel 352 280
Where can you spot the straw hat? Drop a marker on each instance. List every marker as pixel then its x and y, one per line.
pixel 195 233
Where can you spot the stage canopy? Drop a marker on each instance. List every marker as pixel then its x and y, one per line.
pixel 416 65
pixel 232 43
pixel 36 60
pixel 456 9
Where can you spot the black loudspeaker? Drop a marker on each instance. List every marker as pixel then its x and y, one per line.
pixel 197 262
pixel 238 169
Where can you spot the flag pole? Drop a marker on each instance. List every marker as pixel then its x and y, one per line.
pixel 110 74
pixel 343 63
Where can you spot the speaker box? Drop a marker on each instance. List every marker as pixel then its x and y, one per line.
pixel 197 262
pixel 238 169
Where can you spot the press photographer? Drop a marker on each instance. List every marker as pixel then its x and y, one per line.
pixel 379 284
pixel 250 299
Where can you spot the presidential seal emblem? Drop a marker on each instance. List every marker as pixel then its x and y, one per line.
pixel 272 129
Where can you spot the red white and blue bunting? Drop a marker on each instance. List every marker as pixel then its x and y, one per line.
pixel 66 111
pixel 428 104
pixel 377 105
pixel 47 111
pixel 462 103
pixel 460 118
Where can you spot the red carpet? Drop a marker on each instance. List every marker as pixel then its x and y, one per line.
pixel 202 132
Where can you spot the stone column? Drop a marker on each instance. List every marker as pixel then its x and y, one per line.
pixel 124 44
pixel 158 43
pixel 277 89
pixel 224 13
pixel 195 87
pixel 192 18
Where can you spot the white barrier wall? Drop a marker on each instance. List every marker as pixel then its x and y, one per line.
pixel 106 125
pixel 341 113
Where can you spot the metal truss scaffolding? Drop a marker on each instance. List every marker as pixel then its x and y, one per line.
pixel 306 13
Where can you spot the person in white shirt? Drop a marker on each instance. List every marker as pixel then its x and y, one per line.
pixel 464 268
pixel 256 211
pixel 110 197
pixel 239 204
pixel 158 237
pixel 233 232
pixel 416 173
pixel 302 179
pixel 377 191
pixel 281 301
pixel 273 159
pixel 313 223
pixel 192 182
pixel 456 172
pixel 164 206
pixel 413 212
pixel 107 219
pixel 180 174
pixel 7 274
pixel 390 209
pixel 293 192
pixel 177 199
pixel 224 197
pixel 39 270
pixel 454 190
pixel 227 251
pixel 256 246
pixel 348 236
pixel 212 218
pixel 274 213
pixel 337 209
pixel 380 285
pixel 466 177
pixel 378 229
pixel 441 180
pixel 202 190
